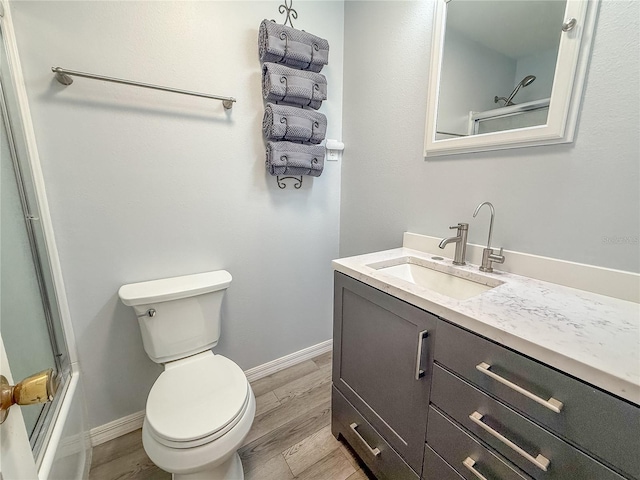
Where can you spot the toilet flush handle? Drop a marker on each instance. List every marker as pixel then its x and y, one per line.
pixel 149 313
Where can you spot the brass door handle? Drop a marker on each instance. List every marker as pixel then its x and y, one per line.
pixel 38 388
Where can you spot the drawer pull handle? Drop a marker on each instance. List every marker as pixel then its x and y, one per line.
pixel 469 463
pixel 540 461
pixel 552 404
pixel 421 336
pixel 374 451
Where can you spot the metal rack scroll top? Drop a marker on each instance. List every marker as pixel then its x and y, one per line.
pixel 291 14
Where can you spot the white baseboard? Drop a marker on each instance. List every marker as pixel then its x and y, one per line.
pixel 132 422
pixel 287 361
pixel 116 429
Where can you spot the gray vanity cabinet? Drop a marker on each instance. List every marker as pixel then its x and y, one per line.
pixel 383 357
pixel 449 404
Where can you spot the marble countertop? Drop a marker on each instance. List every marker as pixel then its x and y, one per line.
pixel 592 337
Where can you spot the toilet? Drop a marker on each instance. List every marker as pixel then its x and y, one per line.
pixel 201 408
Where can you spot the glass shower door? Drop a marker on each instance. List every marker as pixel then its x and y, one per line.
pixel 529 118
pixel 29 314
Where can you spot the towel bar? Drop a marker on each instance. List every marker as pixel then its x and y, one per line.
pixel 64 77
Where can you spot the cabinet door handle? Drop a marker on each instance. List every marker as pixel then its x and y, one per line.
pixel 469 463
pixel 421 336
pixel 552 404
pixel 374 451
pixel 540 461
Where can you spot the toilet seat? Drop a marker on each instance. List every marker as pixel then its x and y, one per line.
pixel 197 400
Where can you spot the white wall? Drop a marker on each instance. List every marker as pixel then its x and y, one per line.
pixel 145 184
pixel 564 201
pixel 472 75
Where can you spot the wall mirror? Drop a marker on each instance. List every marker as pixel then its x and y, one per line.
pixel 506 73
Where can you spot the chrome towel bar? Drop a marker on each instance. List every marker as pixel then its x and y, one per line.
pixel 64 77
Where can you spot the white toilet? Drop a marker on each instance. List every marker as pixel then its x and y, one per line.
pixel 201 408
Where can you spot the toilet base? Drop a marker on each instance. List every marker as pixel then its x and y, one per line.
pixel 229 470
pixel 215 460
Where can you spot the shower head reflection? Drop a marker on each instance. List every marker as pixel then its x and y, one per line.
pixel 525 82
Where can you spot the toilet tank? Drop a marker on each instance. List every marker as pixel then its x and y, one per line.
pixel 178 316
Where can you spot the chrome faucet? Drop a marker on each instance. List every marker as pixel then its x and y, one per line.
pixel 488 257
pixel 460 241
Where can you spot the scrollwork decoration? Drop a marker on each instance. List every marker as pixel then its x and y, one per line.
pixel 291 13
pixel 296 185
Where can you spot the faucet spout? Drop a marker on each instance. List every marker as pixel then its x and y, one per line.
pixel 488 257
pixel 447 241
pixel 493 214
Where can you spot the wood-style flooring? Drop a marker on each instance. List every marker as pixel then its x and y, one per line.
pixel 290 437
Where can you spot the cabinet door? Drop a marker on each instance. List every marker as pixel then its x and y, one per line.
pixel 383 355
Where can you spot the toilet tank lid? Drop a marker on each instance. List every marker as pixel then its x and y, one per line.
pixel 174 288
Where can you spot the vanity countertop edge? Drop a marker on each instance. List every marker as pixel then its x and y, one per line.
pixel 592 337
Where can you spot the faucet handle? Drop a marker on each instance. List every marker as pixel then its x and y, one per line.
pixel 499 258
pixel 460 226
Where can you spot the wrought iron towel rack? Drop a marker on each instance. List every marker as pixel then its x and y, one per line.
pixel 292 14
pixel 64 77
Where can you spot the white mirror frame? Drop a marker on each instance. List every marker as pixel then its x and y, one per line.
pixel 568 83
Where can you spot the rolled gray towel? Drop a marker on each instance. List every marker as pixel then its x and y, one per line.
pixel 288 46
pixel 284 84
pixel 281 122
pixel 287 158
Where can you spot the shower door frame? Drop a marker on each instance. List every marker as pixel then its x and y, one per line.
pixel 69 403
pixel 476 117
pixel 61 363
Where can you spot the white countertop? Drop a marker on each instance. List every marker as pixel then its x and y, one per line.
pixel 590 336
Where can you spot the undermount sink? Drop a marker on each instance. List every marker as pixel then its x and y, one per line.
pixel 442 279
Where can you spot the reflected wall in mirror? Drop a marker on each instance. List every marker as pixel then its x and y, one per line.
pixel 506 73
pixel 497 55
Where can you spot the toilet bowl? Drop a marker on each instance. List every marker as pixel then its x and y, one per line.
pixel 201 408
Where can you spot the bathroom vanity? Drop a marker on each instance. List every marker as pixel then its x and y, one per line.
pixel 525 379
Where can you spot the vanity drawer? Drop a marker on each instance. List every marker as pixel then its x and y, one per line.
pixel 605 426
pixel 435 468
pixel 466 454
pixel 532 448
pixel 374 451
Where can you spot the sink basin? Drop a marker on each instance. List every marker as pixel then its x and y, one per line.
pixel 442 279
